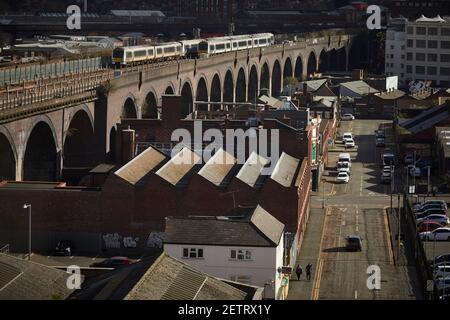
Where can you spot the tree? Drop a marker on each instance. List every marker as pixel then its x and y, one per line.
pixel 291 81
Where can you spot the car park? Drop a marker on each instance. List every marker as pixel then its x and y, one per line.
pixel 428 226
pixel 347 117
pixel 439 234
pixel 353 243
pixel 114 262
pixel 439 218
pixel 343 177
pixel 349 143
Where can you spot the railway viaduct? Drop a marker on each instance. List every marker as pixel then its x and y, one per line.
pixel 74 125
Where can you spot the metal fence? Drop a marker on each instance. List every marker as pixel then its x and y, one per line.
pixel 31 72
pixel 4 249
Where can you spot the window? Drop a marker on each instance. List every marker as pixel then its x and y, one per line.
pixel 445 32
pixel 432 70
pixel 421 30
pixel 445 44
pixel 420 56
pixel 192 253
pixel 392 56
pixel 445 71
pixel 410 43
pixel 432 57
pixel 420 43
pixel 409 56
pixel 432 31
pixel 410 30
pixel 420 69
pixel 408 69
pixel 241 254
pixel 432 44
pixel 392 47
pixel 445 57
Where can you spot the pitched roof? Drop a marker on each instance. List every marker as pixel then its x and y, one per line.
pixel 141 165
pixel 285 170
pixel 26 280
pixel 427 119
pixel 359 87
pixel 158 278
pixel 313 85
pixel 257 229
pixel 218 167
pixel 251 170
pixel 179 166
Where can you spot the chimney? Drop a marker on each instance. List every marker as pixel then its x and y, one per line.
pixel 128 145
pixel 357 74
pixel 305 89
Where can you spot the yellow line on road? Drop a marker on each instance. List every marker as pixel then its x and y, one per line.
pixel 319 267
pixel 388 236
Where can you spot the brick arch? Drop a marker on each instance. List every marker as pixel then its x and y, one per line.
pixel 132 98
pixel 42 118
pixel 169 85
pixel 8 157
pixel 5 132
pixel 144 108
pixel 74 110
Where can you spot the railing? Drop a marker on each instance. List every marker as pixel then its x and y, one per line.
pixel 52 88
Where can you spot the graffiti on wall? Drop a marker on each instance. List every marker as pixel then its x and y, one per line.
pixel 155 240
pixel 116 241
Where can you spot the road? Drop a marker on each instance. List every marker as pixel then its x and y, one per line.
pixel 358 207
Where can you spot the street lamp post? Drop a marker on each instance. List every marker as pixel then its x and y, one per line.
pixel 28 206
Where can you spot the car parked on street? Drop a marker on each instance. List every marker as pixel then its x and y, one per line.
pixel 439 218
pixel 441 259
pixel 429 206
pixel 409 158
pixel 414 171
pixel 342 177
pixel 439 234
pixel 441 271
pixel 349 143
pixel 114 262
pixel 428 226
pixel 380 143
pixel 419 205
pixel 346 136
pixel 442 284
pixel 354 243
pixel 347 117
pixel 386 177
pixel 64 248
pixel 427 212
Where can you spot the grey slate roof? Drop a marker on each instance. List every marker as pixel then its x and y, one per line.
pixel 259 229
pixel 427 118
pixel 26 280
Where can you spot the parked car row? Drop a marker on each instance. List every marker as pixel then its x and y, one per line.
pixel 380 138
pixel 344 165
pixel 440 265
pixel 432 220
pixel 347 140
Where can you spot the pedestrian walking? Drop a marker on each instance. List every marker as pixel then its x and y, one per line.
pixel 299 272
pixel 308 271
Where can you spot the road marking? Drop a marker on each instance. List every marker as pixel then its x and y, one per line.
pixel 388 236
pixel 361 187
pixel 357 213
pixel 319 266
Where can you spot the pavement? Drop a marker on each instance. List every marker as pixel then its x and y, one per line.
pixel 358 207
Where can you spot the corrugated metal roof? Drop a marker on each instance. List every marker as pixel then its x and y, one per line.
pixel 141 165
pixel 185 286
pixel 180 165
pixel 252 168
pixel 218 167
pixel 285 170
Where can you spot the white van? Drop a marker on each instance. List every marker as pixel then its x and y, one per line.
pixel 345 157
